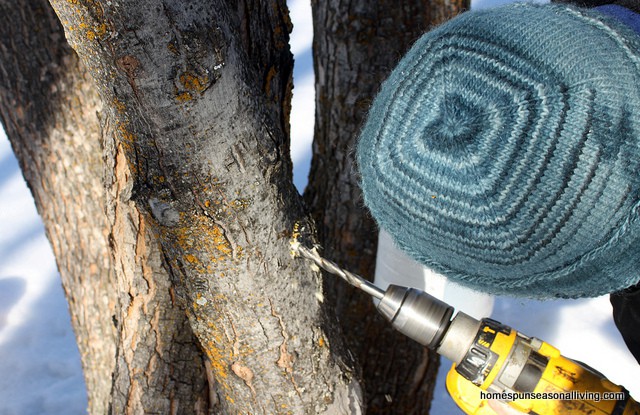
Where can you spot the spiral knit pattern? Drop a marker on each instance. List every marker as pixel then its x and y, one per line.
pixel 504 152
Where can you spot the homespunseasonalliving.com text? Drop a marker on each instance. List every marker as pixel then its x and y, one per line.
pixel 556 396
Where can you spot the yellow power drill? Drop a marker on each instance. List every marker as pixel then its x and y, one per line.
pixel 491 360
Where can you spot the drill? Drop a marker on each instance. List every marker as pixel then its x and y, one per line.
pixel 491 360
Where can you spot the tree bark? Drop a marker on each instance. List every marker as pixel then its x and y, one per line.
pixel 356 44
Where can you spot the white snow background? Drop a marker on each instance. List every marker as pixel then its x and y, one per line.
pixel 40 371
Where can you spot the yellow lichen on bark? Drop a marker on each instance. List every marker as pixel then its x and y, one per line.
pixel 201 240
pixel 127 141
pixel 89 18
pixel 193 82
pixel 190 84
pixel 119 106
pixel 218 358
pixel 184 96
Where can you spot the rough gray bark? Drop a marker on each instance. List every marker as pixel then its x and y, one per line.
pixel 356 44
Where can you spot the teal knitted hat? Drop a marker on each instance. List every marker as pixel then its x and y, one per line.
pixel 504 151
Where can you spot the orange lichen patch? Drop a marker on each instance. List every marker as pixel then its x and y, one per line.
pixel 321 342
pixel 184 97
pixel 100 30
pixel 127 140
pixel 240 204
pixel 173 48
pixel 218 357
pixel 119 105
pixel 90 18
pixel 203 243
pixel 196 264
pixel 297 229
pixel 97 32
pixel 217 346
pixel 125 134
pixel 193 82
pixel 220 242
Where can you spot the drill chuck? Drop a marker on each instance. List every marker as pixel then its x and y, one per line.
pixel 427 320
pixel 416 314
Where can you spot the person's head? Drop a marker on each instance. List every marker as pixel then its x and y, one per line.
pixel 504 151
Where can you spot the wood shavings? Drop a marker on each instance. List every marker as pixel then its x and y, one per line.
pixel 293 242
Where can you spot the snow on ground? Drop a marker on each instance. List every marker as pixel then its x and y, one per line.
pixel 40 370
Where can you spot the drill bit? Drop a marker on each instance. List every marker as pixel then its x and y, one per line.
pixel 353 279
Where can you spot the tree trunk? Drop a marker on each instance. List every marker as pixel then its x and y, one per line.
pixel 356 44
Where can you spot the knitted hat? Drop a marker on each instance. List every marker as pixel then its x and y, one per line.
pixel 504 151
